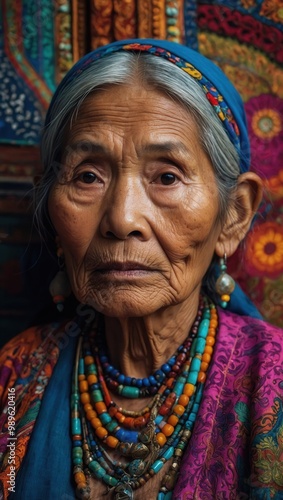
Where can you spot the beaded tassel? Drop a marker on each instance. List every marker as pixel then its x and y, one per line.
pixel 148 438
pixel 225 284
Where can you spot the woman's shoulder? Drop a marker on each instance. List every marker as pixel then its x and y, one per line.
pixel 26 349
pixel 28 339
pixel 247 325
pixel 25 342
pixel 253 340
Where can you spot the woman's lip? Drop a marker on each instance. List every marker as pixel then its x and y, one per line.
pixel 123 274
pixel 122 267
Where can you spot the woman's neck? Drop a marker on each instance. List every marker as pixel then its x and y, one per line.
pixel 139 346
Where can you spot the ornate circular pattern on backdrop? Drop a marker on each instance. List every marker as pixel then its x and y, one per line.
pixel 245 38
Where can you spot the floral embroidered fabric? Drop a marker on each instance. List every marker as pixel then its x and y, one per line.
pixel 236 450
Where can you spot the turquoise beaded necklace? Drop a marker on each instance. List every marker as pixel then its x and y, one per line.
pixel 145 440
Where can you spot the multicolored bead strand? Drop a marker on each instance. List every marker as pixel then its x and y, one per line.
pixel 146 439
pixel 82 489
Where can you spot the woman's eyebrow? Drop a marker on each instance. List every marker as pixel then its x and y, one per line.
pixel 88 147
pixel 85 147
pixel 165 147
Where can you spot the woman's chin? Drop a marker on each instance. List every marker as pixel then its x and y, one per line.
pixel 126 299
pixel 118 306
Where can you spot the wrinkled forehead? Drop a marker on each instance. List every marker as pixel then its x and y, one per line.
pixel 218 90
pixel 127 117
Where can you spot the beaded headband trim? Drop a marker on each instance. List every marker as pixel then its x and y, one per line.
pixel 212 94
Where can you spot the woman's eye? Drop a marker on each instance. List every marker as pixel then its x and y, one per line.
pixel 88 177
pixel 167 179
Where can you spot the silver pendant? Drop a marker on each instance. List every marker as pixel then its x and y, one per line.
pixel 123 492
pixel 133 450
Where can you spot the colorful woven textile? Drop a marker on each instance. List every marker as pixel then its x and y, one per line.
pixel 26 366
pixel 237 442
pixel 33 61
pixel 245 38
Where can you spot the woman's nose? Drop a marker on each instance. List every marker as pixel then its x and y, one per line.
pixel 125 212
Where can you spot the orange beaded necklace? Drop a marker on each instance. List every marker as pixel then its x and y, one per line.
pixel 148 438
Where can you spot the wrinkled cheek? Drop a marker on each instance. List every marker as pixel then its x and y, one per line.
pixel 190 259
pixel 78 277
pixel 75 236
pixel 180 277
pixel 179 247
pixel 73 225
pixel 187 228
pixel 74 242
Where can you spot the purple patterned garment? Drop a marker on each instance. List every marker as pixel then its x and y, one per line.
pixel 236 449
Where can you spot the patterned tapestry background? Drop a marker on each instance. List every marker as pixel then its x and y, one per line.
pixel 40 41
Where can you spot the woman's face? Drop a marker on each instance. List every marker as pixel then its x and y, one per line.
pixel 136 206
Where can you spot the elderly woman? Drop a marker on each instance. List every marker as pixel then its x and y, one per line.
pixel 154 389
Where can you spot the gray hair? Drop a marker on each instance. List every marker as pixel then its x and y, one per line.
pixel 124 68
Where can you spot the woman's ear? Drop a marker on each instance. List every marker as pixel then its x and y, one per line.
pixel 243 206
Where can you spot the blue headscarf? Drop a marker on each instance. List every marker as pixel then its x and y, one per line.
pixel 221 94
